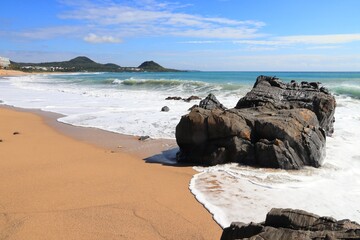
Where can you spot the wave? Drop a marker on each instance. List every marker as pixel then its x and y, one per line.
pixel 347 90
pixel 188 86
pixel 158 82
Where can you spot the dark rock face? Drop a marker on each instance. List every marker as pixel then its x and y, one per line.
pixel 211 102
pixel 283 224
pixel 274 94
pixel 261 134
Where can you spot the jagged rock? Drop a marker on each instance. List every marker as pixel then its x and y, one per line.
pixel 271 92
pixel 211 102
pixel 165 109
pixel 283 224
pixel 258 132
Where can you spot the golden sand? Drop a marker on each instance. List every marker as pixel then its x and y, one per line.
pixel 55 187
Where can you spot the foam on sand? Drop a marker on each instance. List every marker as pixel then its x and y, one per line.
pixel 245 194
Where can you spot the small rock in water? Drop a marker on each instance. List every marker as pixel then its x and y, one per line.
pixel 143 138
pixel 173 98
pixel 165 109
pixel 192 98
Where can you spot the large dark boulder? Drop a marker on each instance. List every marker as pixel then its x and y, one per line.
pixel 271 92
pixel 284 224
pixel 261 134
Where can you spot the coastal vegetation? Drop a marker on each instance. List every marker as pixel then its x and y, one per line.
pixel 85 64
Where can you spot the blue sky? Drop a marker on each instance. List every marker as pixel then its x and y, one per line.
pixel 245 35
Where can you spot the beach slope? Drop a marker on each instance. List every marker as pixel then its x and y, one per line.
pixel 55 187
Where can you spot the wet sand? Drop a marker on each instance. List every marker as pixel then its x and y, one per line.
pixel 63 182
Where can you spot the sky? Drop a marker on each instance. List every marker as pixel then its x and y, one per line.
pixel 218 35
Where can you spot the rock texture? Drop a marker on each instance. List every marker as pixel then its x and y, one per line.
pixel 269 127
pixel 211 102
pixel 284 224
pixel 274 94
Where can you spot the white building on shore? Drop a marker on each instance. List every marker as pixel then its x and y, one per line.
pixel 4 62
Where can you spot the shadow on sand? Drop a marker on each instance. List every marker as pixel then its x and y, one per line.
pixel 167 158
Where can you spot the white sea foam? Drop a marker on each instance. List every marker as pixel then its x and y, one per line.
pixel 230 192
pixel 128 111
pixel 245 194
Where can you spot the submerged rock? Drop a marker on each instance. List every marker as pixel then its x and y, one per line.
pixel 266 131
pixel 284 224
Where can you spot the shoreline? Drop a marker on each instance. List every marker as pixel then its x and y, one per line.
pixel 15 73
pixel 12 73
pixel 123 195
pixel 114 142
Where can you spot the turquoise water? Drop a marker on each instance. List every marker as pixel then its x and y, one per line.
pixel 344 83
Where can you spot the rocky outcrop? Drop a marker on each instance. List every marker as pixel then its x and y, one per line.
pixel 211 102
pixel 273 132
pixel 284 224
pixel 274 94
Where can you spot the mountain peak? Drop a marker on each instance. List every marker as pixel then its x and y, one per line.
pixel 81 59
pixel 151 65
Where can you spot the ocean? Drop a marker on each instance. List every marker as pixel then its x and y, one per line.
pixel 130 103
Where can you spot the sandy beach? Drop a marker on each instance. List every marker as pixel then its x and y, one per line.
pixel 56 187
pixel 7 73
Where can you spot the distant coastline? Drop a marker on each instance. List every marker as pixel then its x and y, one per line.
pixel 85 64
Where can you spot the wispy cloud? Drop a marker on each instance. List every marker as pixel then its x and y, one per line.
pixel 158 18
pixel 93 38
pixel 319 40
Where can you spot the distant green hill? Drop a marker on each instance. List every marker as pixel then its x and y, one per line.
pixel 85 64
pixel 152 66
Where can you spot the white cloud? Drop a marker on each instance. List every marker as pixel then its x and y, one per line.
pixel 161 19
pixel 93 38
pixel 304 39
pixel 320 39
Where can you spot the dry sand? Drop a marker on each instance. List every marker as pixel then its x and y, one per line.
pixel 53 186
pixel 6 73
